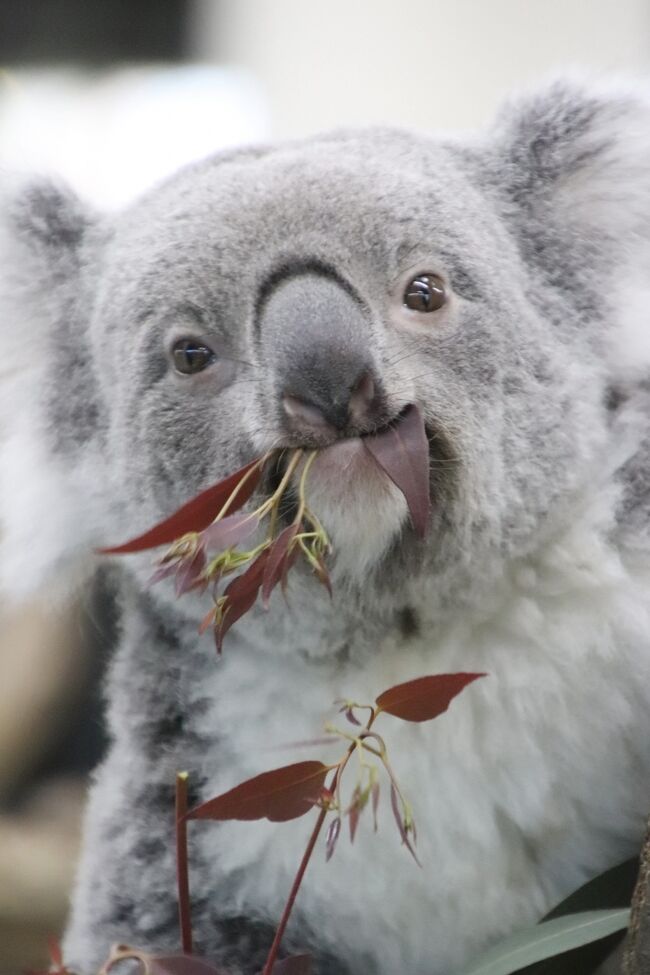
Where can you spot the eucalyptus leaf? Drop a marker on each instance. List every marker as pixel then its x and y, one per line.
pixel 608 890
pixel 547 939
pixel 613 888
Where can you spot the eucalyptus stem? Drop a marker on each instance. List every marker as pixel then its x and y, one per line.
pixel 271 502
pixel 295 887
pixel 261 462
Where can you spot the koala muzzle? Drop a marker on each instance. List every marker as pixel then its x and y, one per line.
pixel 317 340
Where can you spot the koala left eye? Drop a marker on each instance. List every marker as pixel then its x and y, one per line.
pixel 425 293
pixel 191 356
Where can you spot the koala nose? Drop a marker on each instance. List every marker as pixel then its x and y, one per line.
pixel 317 339
pixel 337 407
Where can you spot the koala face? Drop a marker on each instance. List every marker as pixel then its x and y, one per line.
pixel 271 300
pixel 305 295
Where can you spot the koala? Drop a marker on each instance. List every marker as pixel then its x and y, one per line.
pixel 304 295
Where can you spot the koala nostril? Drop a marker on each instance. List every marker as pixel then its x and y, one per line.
pixel 361 397
pixel 304 413
pixel 332 407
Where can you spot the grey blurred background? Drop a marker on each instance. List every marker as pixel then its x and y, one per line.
pixel 113 95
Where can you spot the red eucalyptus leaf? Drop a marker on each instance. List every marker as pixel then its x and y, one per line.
pixel 56 966
pixel 375 803
pixel 402 452
pixel 207 620
pixel 277 561
pixel 181 965
pixel 188 574
pixel 230 531
pixel 162 572
pixel 159 964
pixel 294 965
pixel 399 819
pixel 326 798
pixel 54 949
pixel 425 697
pixel 353 818
pixel 195 515
pixel 397 812
pixel 282 794
pixel 349 714
pixel 333 833
pixel 241 593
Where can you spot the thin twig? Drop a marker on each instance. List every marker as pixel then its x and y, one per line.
pixel 182 872
pixel 293 893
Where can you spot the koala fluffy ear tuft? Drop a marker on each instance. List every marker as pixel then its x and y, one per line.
pixel 49 216
pixel 48 459
pixel 43 227
pixel 578 153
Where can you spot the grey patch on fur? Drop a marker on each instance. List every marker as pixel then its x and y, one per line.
pixel 408 622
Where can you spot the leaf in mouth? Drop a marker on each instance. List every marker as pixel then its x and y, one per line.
pixel 197 513
pixel 402 452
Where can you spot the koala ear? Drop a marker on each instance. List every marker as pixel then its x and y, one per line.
pixel 43 228
pixel 48 407
pixel 571 167
pixel 577 154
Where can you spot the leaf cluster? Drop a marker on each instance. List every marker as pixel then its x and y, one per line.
pixel 208 535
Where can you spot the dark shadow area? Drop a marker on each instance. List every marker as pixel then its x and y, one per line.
pixel 92 32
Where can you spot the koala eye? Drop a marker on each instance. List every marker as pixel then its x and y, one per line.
pixel 191 355
pixel 425 293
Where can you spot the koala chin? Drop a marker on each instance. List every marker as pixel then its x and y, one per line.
pixel 306 294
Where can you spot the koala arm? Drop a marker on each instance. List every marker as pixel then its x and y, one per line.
pixel 126 889
pixel 126 884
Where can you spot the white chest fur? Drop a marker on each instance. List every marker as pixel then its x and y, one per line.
pixel 537 778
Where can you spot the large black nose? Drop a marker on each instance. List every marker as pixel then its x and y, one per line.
pixel 318 340
pixel 335 403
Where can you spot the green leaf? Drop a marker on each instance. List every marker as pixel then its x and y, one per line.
pixel 547 939
pixel 613 888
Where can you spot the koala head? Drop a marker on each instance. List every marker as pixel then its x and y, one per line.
pixel 306 294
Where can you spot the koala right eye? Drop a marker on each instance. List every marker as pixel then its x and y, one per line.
pixel 191 356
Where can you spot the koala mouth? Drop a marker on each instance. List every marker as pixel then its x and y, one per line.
pixel 275 471
pixel 396 446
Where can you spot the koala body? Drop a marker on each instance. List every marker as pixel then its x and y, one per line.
pixel 289 264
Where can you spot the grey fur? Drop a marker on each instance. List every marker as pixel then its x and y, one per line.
pixel 289 260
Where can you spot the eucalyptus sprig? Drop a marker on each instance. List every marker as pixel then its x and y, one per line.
pixel 268 563
pixel 292 791
pixel 211 537
pixel 229 544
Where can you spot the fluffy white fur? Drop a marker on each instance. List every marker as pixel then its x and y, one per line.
pixel 561 756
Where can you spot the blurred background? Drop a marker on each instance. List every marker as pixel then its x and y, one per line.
pixel 112 95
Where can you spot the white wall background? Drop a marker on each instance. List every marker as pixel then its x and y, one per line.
pixel 113 134
pixel 424 63
pixel 283 68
